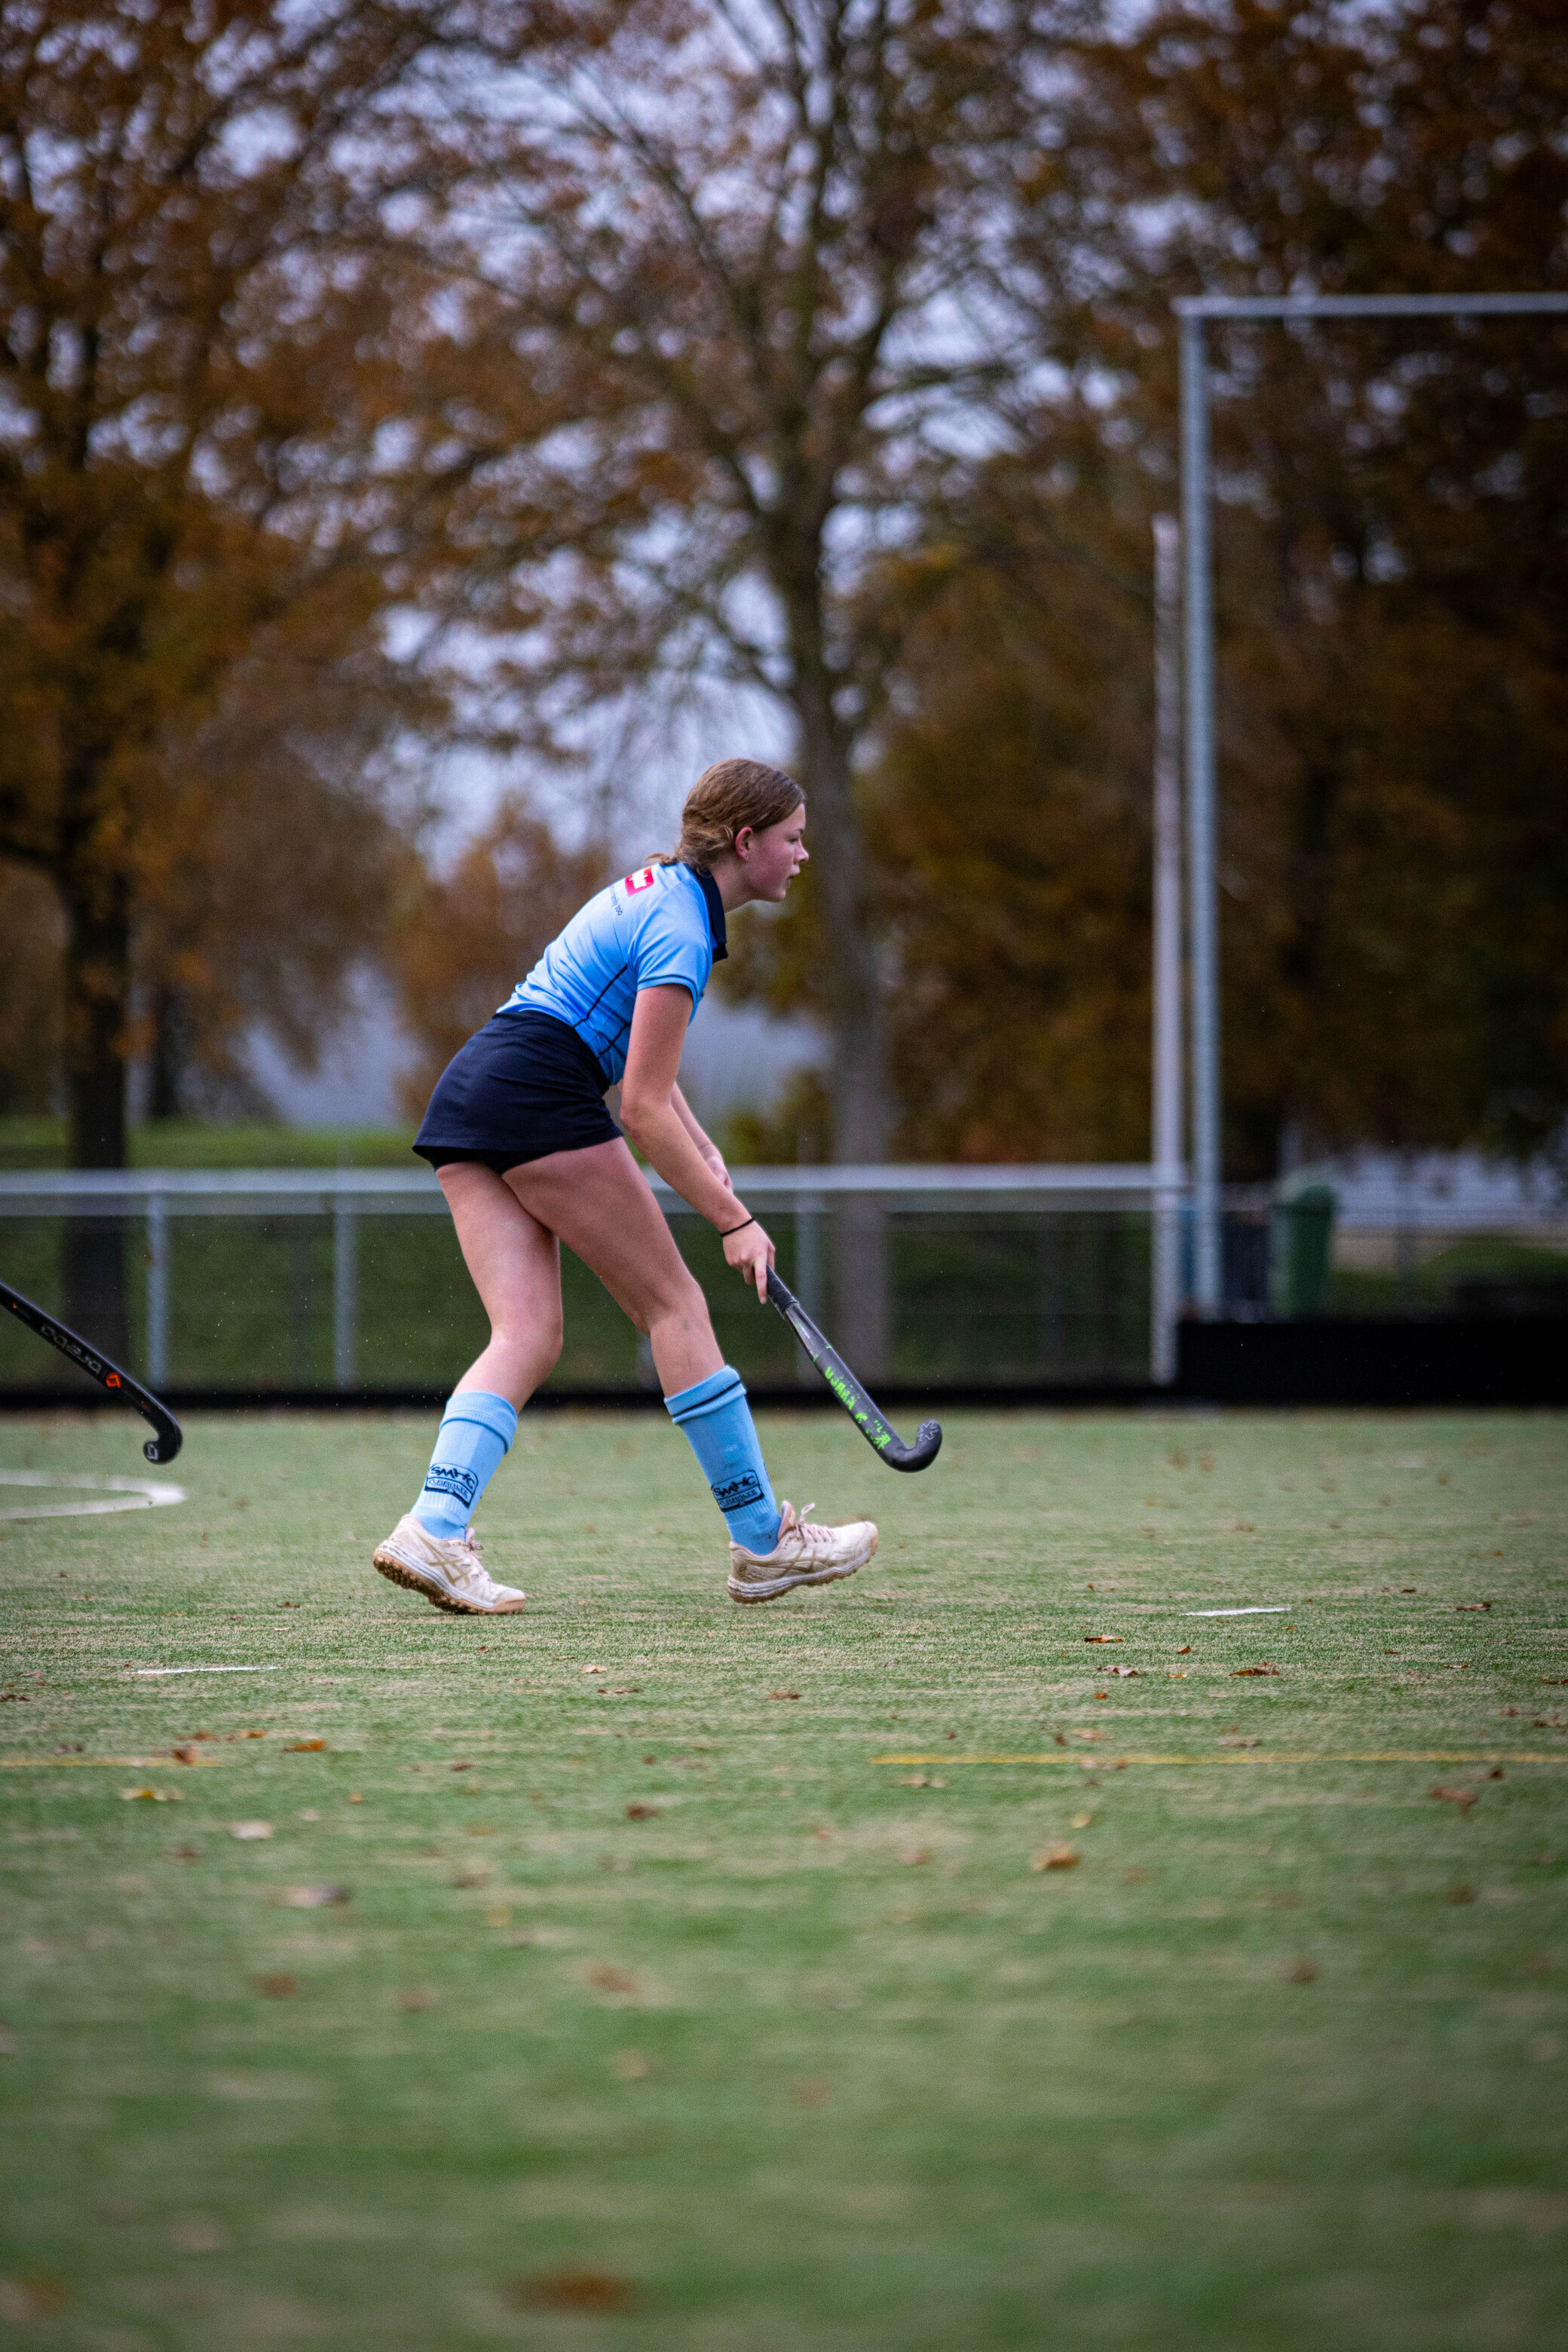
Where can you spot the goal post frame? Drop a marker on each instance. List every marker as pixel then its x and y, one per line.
pixel 1193 313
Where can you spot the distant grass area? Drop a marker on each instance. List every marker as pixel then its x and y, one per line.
pixel 693 1977
pixel 193 1143
pixel 1484 1258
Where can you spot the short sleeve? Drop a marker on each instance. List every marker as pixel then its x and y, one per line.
pixel 670 947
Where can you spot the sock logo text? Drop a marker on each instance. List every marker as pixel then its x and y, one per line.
pixel 461 1485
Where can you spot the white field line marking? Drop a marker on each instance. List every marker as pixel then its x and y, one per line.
pixel 1275 1609
pixel 127 1494
pixel 209 1670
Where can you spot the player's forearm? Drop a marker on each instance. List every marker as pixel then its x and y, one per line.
pixel 656 1130
pixel 690 1121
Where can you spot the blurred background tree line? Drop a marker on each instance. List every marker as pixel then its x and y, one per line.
pixel 381 378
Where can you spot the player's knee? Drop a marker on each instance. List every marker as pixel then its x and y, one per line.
pixel 537 1338
pixel 680 1300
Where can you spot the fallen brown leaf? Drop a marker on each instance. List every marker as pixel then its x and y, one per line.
pixel 784 1694
pixel 1056 1857
pixel 277 1987
pixel 1473 1608
pixel 462 1767
pixel 1102 1637
pixel 1303 1972
pixel 415 1999
pixel 641 1812
pixel 1125 1670
pixel 1238 1671
pixel 1463 1798
pixel 1458 1895
pixel 154 1796
pixel 313 1898
pixel 35 2294
pixel 1185 1650
pixel 305 1747
pixel 569 2291
pixel 1237 1742
pixel 609 1979
pixel 914 1854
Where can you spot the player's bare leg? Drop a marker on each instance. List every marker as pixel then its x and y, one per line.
pixel 600 1206
pixel 516 1267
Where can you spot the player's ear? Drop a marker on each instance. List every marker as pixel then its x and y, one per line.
pixel 743 840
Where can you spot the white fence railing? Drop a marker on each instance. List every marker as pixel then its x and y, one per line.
pixel 345 1195
pixel 152 1199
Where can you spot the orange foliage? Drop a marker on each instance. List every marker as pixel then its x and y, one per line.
pixel 468 938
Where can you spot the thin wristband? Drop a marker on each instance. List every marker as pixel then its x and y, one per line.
pixel 737 1229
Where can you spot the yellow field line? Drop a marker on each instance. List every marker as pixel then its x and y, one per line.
pixel 1231 1756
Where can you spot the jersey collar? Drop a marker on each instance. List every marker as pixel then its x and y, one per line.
pixel 715 906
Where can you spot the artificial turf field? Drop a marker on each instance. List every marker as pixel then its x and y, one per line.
pixel 717 1998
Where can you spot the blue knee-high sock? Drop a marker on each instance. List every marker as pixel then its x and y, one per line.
pixel 719 1426
pixel 474 1439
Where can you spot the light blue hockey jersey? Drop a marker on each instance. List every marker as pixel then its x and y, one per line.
pixel 661 926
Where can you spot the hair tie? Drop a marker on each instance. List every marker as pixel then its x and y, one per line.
pixel 737 1229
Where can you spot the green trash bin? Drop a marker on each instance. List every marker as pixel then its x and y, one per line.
pixel 1304 1229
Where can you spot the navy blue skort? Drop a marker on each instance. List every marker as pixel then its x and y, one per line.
pixel 524 1086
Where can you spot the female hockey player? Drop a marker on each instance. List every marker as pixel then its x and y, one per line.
pixel 529 1157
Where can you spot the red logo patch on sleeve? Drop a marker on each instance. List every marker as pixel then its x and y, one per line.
pixel 643 881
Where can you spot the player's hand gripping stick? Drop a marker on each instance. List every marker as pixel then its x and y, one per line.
pixel 170 1437
pixel 878 1432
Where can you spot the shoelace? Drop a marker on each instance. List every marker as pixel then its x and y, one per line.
pixel 812 1535
pixel 474 1565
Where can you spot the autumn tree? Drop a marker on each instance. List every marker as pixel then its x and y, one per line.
pixel 226 463
pixel 752 239
pixel 1392 581
pixel 1392 562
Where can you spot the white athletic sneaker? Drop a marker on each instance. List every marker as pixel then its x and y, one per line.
pixel 803 1554
pixel 446 1569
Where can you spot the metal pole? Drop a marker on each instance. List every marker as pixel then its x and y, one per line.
pixel 345 1295
pixel 1165 1104
pixel 1202 931
pixel 157 1290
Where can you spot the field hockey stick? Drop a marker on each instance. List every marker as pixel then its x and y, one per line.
pixel 169 1436
pixel 873 1426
